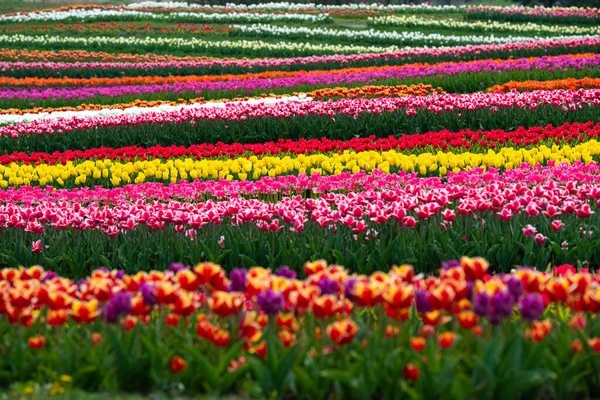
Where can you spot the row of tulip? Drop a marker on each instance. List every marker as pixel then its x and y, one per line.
pixel 185 46
pixel 443 140
pixel 120 28
pixel 458 78
pixel 267 333
pixel 482 26
pixel 424 8
pixel 567 83
pixel 462 77
pixel 36 63
pixel 554 15
pixel 107 172
pixel 13 116
pixel 245 122
pixel 140 110
pixel 122 14
pixel 412 70
pixel 510 218
pixel 377 37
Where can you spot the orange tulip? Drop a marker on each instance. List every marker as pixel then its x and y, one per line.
pixel 342 332
pixel 172 319
pixel 314 267
pixel 84 312
pixel 221 338
pixel 417 343
pixel 446 339
pixel 467 319
pixel 57 317
pixel 411 372
pixel 368 294
pixel 225 304
pixel 391 330
pixel 129 323
pixel 177 364
pixel 326 306
pixel 211 274
pixel 557 289
pixel 187 280
pixel 475 268
pixel 399 296
pixel 96 338
pixel 287 337
pixel 37 342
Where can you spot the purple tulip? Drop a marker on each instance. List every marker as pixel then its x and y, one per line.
pixel 149 294
pixel 481 304
pixel 176 267
pixel 422 301
pixel 271 302
pixel 238 280
pixel 515 287
pixel 503 304
pixel 531 306
pixel 328 286
pixel 49 275
pixel 119 304
pixel 450 264
pixel 286 272
pixel 349 288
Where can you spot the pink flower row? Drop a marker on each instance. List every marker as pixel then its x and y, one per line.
pixel 566 99
pixel 338 58
pixel 551 192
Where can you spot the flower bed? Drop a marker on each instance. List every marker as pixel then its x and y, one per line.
pixel 127 144
pixel 269 332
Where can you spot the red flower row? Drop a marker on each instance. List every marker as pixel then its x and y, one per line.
pixel 443 140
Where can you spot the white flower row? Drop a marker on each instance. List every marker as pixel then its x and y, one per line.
pixel 371 34
pixel 193 43
pixel 86 14
pixel 107 112
pixel 298 6
pixel 94 13
pixel 490 26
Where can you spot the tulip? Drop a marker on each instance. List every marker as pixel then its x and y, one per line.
pixel 342 332
pixel 467 319
pixel 225 304
pixel 270 302
pixel 96 339
pixel 531 306
pixel 446 339
pixel 37 342
pixel 417 343
pixel 177 364
pixel 411 372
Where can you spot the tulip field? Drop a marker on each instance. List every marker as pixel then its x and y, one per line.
pixel 300 201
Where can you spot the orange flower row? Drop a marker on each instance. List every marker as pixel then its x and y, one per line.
pixel 83 55
pixel 365 91
pixel 568 83
pixel 375 91
pixel 159 80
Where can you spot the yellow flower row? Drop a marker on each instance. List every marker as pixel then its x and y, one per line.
pixel 116 173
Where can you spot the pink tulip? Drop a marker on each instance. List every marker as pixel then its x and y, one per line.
pixel 36 247
pixel 557 225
